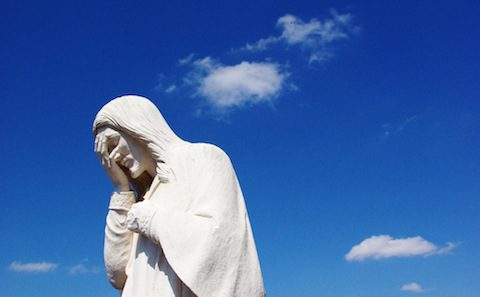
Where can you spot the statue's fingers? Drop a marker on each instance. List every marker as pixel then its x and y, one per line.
pixel 100 145
pixel 97 143
pixel 104 151
pixel 97 149
pixel 115 155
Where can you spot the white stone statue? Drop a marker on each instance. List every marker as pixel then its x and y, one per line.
pixel 177 223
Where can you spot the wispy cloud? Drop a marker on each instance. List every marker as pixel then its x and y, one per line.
pixel 186 60
pixel 82 269
pixel 262 44
pixel 315 36
pixel 412 287
pixel 225 87
pixel 384 246
pixel 390 129
pixel 40 267
pixel 170 89
pixel 32 266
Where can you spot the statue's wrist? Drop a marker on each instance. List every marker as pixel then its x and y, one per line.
pixel 122 188
pixel 122 201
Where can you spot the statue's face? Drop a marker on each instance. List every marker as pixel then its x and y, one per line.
pixel 128 152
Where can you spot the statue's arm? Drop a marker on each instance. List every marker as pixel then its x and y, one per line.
pixel 214 183
pixel 118 239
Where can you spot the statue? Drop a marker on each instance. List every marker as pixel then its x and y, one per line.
pixel 177 224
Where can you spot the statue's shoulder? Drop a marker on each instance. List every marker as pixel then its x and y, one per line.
pixel 201 151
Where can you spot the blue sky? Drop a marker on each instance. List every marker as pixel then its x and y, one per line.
pixel 353 127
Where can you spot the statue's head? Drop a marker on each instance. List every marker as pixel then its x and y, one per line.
pixel 119 147
pixel 140 133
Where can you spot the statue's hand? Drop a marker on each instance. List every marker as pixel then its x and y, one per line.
pixel 114 171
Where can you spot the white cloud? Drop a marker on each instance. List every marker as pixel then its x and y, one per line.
pixel 226 87
pixel 243 83
pixel 296 31
pixel 315 36
pixel 384 246
pixel 32 267
pixel 412 287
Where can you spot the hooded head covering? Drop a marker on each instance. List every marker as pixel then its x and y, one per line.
pixel 140 118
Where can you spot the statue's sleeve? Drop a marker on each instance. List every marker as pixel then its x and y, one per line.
pixel 118 239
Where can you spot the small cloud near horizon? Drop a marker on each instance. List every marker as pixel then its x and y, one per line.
pixel 412 287
pixel 82 269
pixel 32 266
pixel 384 246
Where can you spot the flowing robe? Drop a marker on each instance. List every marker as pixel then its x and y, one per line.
pixel 199 241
